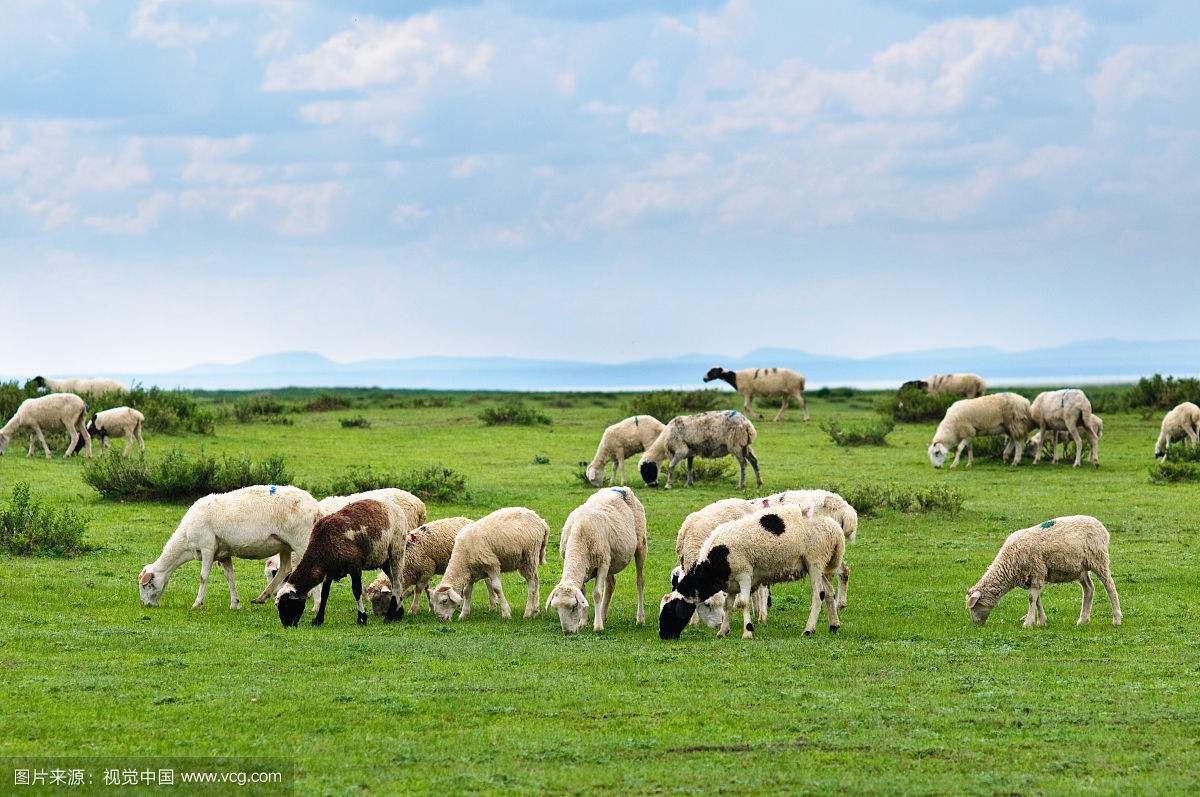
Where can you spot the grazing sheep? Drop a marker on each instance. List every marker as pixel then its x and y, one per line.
pixel 409 505
pixel 362 535
pixel 1095 425
pixel 426 554
pixel 1183 421
pixel 250 523
pixel 965 385
pixel 123 422
pixel 708 434
pixel 624 439
pixel 271 567
pixel 768 547
pixel 603 536
pixel 999 413
pixel 508 539
pixel 692 533
pixel 1064 411
pixel 827 504
pixel 781 383
pixel 94 387
pixel 35 415
pixel 1055 552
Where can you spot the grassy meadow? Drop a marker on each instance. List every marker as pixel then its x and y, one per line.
pixel 909 697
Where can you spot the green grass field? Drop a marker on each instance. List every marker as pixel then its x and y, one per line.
pixel 910 697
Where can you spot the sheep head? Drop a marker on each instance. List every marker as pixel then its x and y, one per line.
pixel 151 585
pixel 937 454
pixel 443 600
pixel 572 607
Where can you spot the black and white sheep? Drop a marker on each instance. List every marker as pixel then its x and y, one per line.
pixel 750 383
pixel 123 422
pixel 710 435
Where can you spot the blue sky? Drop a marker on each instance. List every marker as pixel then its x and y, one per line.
pixel 197 181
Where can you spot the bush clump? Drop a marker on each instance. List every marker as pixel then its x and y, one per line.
pixel 869 498
pixel 1161 393
pixel 913 405
pixel 513 412
pixel 863 433
pixel 432 483
pixel 325 401
pixel 357 422
pixel 1182 465
pixel 666 404
pixel 176 476
pixel 28 527
pixel 254 408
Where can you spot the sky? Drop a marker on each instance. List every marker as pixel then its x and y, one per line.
pixel 186 182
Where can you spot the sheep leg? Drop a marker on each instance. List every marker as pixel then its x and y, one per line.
pixel 285 570
pixel 128 444
pixel 72 438
pixel 533 588
pixel 1037 455
pixel 619 464
pixel 493 582
pixel 843 585
pixel 818 597
pixel 1035 594
pixel 356 589
pixel 227 566
pixel 1019 442
pixel 1094 441
pixel 1078 446
pixel 759 599
pixel 723 629
pixel 1089 590
pixel 602 600
pixel 782 407
pixel 831 609
pixel 962 444
pixel 32 440
pixel 749 452
pixel 320 618
pixel 206 563
pixel 416 602
pixel 748 409
pixel 137 432
pixel 42 439
pixel 1106 579
pixel 675 460
pixel 690 460
pixel 1041 612
pixel 803 404
pixel 639 560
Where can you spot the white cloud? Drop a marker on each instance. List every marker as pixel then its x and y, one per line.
pixel 466 167
pixel 564 82
pixel 374 53
pixel 644 72
pixel 109 172
pixel 143 219
pixel 645 121
pixel 211 161
pixel 150 23
pixel 407 214
pixel 1140 72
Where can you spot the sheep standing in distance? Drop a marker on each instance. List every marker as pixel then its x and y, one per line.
pixel 826 504
pixel 1183 421
pixel 250 523
pixel 1064 411
pixel 750 383
pixel 362 535
pixel 768 547
pixel 623 439
pixel 123 422
pixel 692 533
pixel 998 413
pixel 508 539
pixel 1055 552
pixel 602 537
pixel 94 387
pixel 426 554
pixel 965 385
pixel 708 434
pixel 35 415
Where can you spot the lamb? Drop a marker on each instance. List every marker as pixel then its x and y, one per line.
pixel 1183 421
pixel 1056 552
pixel 624 439
pixel 426 554
pixel 767 547
pixel 707 434
pixel 123 422
pixel 692 533
pixel 94 387
pixel 998 413
pixel 1066 411
pixel 508 539
pixel 965 385
pixel 34 415
pixel 767 382
pixel 603 535
pixel 1095 425
pixel 827 504
pixel 362 535
pixel 250 523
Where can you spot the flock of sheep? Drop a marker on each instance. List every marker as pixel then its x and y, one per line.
pixel 729 553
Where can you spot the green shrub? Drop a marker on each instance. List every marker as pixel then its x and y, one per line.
pixel 357 422
pixel 1163 394
pixel 912 405
pixel 424 402
pixel 433 483
pixel 1173 471
pixel 666 404
pixel 326 401
pixel 541 460
pixel 513 412
pixel 869 498
pixel 29 527
pixel 256 407
pixel 177 477
pixel 708 470
pixel 863 433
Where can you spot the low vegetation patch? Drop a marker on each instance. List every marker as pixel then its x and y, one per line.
pixel 326 401
pixel 357 422
pixel 1182 465
pixel 861 433
pixel 666 404
pixel 29 527
pixel 432 483
pixel 913 405
pixel 513 412
pixel 177 476
pixel 257 407
pixel 1161 393
pixel 869 498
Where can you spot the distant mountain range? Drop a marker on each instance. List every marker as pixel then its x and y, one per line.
pixel 1084 362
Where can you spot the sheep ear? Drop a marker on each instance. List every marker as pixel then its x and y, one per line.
pixel 146 577
pixel 579 597
pixel 549 598
pixel 454 596
pixel 973 598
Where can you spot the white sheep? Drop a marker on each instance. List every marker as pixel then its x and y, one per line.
pixel 998 413
pixel 409 505
pixel 767 547
pixel 623 439
pixel 362 535
pixel 508 539
pixel 1183 421
pixel 1055 552
pixel 781 383
pixel 603 536
pixel 708 434
pixel 93 387
pixel 827 504
pixel 250 523
pixel 965 385
pixel 35 415
pixel 123 422
pixel 1055 439
pixel 692 533
pixel 426 554
pixel 1064 411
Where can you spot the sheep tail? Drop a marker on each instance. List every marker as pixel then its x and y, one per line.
pixel 545 537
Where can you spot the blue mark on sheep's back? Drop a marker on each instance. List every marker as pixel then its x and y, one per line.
pixel 1048 524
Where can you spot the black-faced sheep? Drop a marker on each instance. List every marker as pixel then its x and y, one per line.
pixel 123 422
pixel 782 383
pixel 710 435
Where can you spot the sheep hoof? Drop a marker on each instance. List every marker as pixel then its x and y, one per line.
pixel 235 605
pixel 318 620
pixel 808 632
pixel 833 629
pixel 362 618
pixel 747 635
